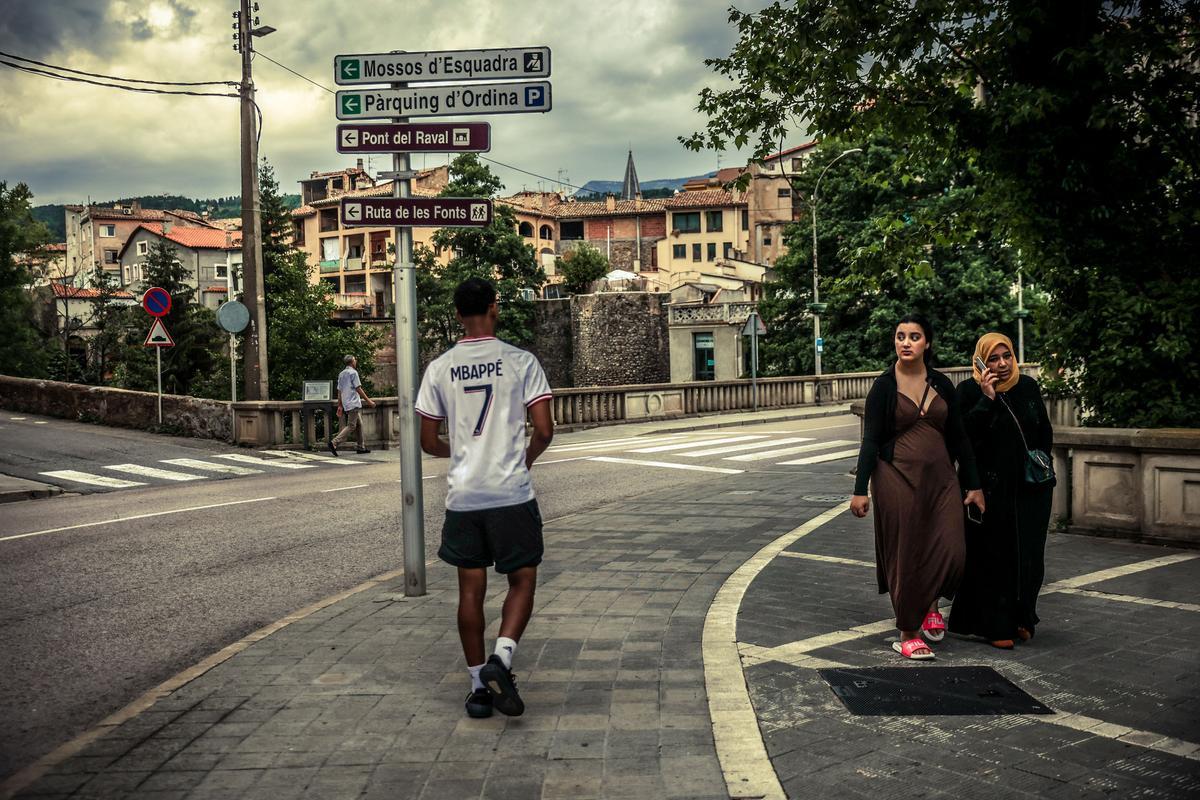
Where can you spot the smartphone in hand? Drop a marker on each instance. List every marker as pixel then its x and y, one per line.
pixel 979 363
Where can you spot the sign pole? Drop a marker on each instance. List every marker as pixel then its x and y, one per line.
pixel 232 384
pixel 404 284
pixel 754 361
pixel 158 363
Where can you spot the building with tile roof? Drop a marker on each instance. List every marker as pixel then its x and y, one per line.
pixel 213 258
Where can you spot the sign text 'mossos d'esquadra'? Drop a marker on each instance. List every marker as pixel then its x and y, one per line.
pixel 435 101
pixel 446 65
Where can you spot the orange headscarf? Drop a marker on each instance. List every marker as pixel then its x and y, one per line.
pixel 983 348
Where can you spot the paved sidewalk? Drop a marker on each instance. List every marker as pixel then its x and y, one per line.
pixel 632 671
pixel 13 489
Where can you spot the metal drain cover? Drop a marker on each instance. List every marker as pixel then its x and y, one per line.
pixel 831 499
pixel 929 691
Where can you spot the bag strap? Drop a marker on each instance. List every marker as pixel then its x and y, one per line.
pixel 1004 402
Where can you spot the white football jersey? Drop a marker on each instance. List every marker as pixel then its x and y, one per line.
pixel 482 387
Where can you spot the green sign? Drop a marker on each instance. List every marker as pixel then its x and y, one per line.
pixel 352 104
pixel 351 69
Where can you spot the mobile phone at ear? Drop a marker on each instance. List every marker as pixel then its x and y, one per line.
pixel 979 363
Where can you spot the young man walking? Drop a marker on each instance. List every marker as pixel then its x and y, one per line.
pixel 350 400
pixel 482 388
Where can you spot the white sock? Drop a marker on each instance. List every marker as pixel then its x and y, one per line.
pixel 506 648
pixel 476 683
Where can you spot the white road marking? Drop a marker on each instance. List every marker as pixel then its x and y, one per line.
pixel 821 459
pixel 1118 572
pixel 1130 598
pixel 740 749
pixel 292 454
pixel 39 422
pixel 94 480
pixel 265 462
pixel 733 448
pixel 154 472
pixel 667 465
pixel 18 419
pixel 854 562
pixel 788 451
pixel 344 488
pixel 562 460
pixel 663 448
pixel 611 444
pixel 196 463
pixel 136 516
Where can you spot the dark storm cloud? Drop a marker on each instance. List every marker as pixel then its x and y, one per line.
pixel 36 29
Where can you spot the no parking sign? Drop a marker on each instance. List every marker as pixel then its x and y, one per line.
pixel 157 301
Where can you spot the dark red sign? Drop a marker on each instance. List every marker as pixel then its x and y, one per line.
pixel 157 302
pixel 431 137
pixel 419 212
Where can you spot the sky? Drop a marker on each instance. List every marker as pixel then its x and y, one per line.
pixel 625 74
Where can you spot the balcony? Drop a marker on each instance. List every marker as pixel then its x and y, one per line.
pixel 353 301
pixel 353 264
pixel 333 265
pixel 729 313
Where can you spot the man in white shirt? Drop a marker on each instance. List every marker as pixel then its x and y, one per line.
pixel 482 388
pixel 350 400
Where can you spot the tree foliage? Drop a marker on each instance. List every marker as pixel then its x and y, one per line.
pixel 21 238
pixel 497 253
pixel 581 267
pixel 1077 119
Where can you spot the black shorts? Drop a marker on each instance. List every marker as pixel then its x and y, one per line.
pixel 509 537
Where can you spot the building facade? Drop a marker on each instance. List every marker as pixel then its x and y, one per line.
pixel 97 234
pixel 213 259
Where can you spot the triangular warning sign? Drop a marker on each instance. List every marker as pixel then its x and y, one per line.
pixel 158 336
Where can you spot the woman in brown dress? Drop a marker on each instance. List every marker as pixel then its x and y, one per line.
pixel 912 437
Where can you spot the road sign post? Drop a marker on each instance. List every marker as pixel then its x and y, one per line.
pixel 754 328
pixel 158 338
pixel 233 317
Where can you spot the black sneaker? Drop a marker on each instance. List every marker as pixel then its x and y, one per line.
pixel 332 449
pixel 502 682
pixel 479 704
pixel 363 450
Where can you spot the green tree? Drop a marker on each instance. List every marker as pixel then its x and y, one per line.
pixel 866 210
pixel 1078 121
pixel 581 267
pixel 304 341
pixel 496 252
pixel 21 239
pixel 198 340
pixel 110 319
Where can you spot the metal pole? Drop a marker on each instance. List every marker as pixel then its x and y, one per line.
pixel 158 364
pixel 1020 319
pixel 404 283
pixel 816 289
pixel 252 277
pixel 232 385
pixel 754 360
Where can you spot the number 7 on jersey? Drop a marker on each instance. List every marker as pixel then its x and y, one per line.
pixel 486 388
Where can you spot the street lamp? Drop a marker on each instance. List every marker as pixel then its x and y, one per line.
pixel 816 307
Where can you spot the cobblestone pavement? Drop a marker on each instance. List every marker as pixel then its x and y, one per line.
pixel 632 692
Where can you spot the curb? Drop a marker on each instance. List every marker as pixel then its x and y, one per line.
pixel 33 491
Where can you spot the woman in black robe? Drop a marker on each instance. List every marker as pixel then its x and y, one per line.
pixel 997 599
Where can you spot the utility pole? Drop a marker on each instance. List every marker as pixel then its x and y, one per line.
pixel 816 306
pixel 252 278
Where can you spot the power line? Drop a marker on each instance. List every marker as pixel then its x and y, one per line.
pixel 35 71
pixel 485 158
pixel 113 77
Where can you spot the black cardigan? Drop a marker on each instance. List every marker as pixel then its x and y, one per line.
pixel 879 429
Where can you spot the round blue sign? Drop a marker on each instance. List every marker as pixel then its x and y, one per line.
pixel 156 301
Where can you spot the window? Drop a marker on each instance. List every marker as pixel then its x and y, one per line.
pixel 703 354
pixel 143 248
pixel 714 221
pixel 767 239
pixel 298 232
pixel 712 251
pixel 125 271
pixel 571 230
pixel 546 233
pixel 334 283
pixel 108 230
pixel 745 219
pixel 356 284
pixel 222 270
pixel 686 223
pixel 785 192
pixel 330 251
pixel 526 229
pixel 110 256
pixel 727 249
pixel 696 252
pixel 354 251
pixel 679 251
pixel 336 183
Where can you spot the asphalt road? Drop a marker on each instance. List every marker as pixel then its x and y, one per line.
pixel 106 593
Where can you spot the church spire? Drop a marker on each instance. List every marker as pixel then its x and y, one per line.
pixel 630 189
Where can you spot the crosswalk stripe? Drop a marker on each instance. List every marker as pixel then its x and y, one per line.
pixel 87 477
pixel 285 454
pixel 195 463
pixel 154 472
pixel 733 448
pixel 839 455
pixel 787 451
pixel 667 464
pixel 264 462
pixel 685 445
pixel 613 444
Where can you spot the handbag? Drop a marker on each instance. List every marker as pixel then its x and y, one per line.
pixel 1039 469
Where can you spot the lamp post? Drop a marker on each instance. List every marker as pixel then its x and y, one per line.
pixel 816 307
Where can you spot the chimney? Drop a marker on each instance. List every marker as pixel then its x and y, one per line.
pixel 167 225
pixel 610 202
pixel 136 206
pixel 359 164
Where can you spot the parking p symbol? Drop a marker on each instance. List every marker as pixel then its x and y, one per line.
pixel 535 96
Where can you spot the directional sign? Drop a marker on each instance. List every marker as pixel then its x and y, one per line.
pixel 443 65
pixel 157 301
pixel 158 336
pixel 432 212
pixel 754 326
pixel 445 101
pixel 428 137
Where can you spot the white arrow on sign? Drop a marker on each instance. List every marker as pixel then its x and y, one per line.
pixel 353 212
pixel 349 138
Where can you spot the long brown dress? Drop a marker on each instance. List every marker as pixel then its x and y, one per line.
pixel 920 549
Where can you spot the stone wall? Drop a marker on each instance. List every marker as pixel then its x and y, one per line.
pixel 623 250
pixel 620 338
pixel 186 416
pixel 552 342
